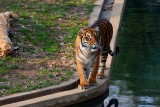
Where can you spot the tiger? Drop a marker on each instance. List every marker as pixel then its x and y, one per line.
pixel 92 46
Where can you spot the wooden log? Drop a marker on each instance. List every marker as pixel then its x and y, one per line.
pixel 6 46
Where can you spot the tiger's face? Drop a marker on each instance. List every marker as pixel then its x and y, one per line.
pixel 90 39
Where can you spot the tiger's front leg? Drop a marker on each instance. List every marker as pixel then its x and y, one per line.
pixel 80 69
pixel 93 75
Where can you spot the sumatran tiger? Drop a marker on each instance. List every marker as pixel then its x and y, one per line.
pixel 92 47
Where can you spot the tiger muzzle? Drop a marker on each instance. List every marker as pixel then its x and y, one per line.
pixel 94 47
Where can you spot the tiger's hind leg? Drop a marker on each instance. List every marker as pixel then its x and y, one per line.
pixel 103 58
pixel 102 67
pixel 102 63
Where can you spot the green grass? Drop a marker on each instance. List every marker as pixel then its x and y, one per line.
pixel 8 63
pixel 3 79
pixel 3 68
pixel 35 32
pixel 37 83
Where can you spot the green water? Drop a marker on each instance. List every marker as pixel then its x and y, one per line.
pixel 136 71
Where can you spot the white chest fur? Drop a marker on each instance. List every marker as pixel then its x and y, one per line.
pixel 87 57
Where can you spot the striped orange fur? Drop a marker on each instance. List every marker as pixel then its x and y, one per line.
pixel 92 48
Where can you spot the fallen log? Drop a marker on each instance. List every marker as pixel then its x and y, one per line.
pixel 6 46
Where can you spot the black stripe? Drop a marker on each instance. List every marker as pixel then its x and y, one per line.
pixel 81 51
pixel 82 44
pixel 103 60
pixel 94 57
pixel 80 58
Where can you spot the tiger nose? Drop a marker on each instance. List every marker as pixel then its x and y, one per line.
pixel 95 45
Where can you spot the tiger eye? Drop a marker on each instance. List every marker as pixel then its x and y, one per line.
pixel 87 38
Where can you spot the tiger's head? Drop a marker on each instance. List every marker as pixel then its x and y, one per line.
pixel 90 39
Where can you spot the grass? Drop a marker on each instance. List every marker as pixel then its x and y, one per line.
pixel 45 78
pixel 38 32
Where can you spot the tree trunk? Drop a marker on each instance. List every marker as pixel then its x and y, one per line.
pixel 5 42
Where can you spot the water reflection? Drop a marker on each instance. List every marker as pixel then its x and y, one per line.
pixel 136 76
pixel 126 97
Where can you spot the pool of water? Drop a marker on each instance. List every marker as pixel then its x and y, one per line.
pixel 136 71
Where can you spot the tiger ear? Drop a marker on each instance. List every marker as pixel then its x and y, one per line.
pixel 81 30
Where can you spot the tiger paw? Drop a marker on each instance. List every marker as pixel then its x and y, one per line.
pixel 83 86
pixel 92 83
pixel 100 76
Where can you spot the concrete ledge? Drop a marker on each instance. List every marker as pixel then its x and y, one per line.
pixel 66 85
pixel 116 22
pixel 96 11
pixel 65 98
